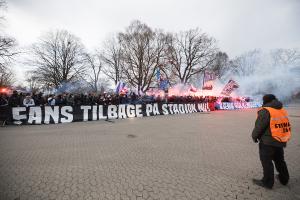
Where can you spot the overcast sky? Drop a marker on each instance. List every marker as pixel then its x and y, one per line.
pixel 238 25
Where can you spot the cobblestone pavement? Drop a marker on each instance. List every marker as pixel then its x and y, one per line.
pixel 194 156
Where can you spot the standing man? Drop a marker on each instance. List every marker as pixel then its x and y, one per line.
pixel 272 130
pixel 28 101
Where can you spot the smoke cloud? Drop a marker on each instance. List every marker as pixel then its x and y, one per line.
pixel 276 72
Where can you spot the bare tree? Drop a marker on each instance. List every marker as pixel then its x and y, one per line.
pixel 190 53
pixel 113 62
pixel 165 68
pixel 2 6
pixel 7 77
pixel 286 57
pixel 7 50
pixel 220 64
pixel 247 63
pixel 32 80
pixel 59 58
pixel 7 44
pixel 94 65
pixel 143 52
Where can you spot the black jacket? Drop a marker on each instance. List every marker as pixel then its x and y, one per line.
pixel 262 130
pixel 14 100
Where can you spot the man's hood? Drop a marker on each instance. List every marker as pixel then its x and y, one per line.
pixel 274 104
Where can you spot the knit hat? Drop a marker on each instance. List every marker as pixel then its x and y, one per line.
pixel 268 98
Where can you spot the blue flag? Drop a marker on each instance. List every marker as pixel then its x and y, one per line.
pixel 164 84
pixel 120 86
pixel 157 74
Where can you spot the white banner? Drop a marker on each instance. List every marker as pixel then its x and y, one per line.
pixel 238 105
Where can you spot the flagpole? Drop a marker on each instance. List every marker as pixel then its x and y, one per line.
pixel 203 80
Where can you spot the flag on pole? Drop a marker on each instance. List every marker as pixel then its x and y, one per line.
pixel 120 87
pixel 158 74
pixel 208 79
pixel 164 84
pixel 193 89
pixel 229 87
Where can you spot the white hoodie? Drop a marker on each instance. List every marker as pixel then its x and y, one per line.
pixel 28 102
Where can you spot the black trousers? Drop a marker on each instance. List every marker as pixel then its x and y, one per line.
pixel 269 154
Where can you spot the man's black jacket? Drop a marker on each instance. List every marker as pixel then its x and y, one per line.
pixel 262 130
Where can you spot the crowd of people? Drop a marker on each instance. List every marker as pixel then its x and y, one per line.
pixel 20 99
pixel 17 99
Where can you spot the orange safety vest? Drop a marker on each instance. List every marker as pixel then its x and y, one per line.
pixel 279 124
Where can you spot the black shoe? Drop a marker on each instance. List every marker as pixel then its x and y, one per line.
pixel 282 183
pixel 260 183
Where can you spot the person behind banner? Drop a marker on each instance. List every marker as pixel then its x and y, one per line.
pixel 39 99
pixel 28 101
pixel 3 100
pixel 272 130
pixel 4 109
pixel 14 100
pixel 51 100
